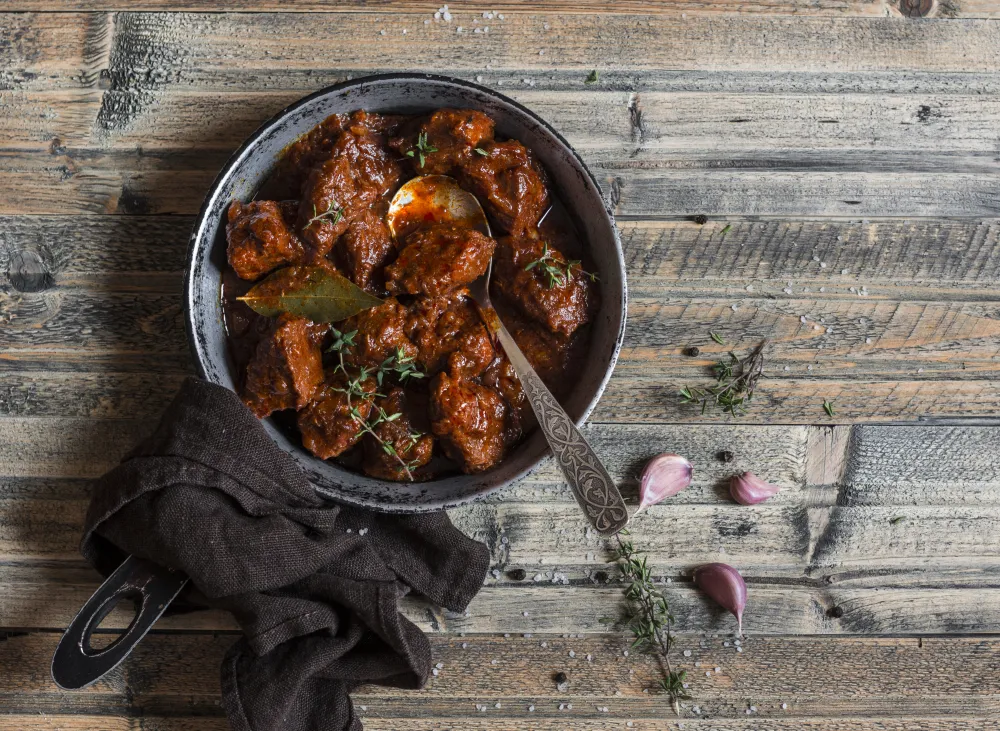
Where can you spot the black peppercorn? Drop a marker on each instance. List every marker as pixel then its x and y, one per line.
pixel 560 678
pixel 725 456
pixel 600 576
pixel 516 574
pixel 701 219
pixel 692 351
pixel 835 612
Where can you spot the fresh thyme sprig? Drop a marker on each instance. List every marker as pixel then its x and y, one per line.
pixel 400 364
pixel 333 212
pixel 368 427
pixel 558 273
pixel 650 620
pixel 422 148
pixel 736 380
pixel 403 365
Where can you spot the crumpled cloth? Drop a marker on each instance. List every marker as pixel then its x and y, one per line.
pixel 314 586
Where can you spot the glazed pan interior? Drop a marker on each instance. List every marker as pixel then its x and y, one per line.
pixel 408 94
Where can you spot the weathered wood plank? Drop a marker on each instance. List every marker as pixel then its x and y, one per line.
pixel 168 673
pixel 164 183
pixel 173 49
pixel 505 722
pixel 46 595
pixel 466 13
pixel 767 130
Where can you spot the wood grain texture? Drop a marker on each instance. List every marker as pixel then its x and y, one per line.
pixel 171 671
pixel 51 49
pixel 655 153
pixel 848 137
pixel 465 12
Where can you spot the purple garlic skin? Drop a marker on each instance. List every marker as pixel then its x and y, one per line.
pixel 748 489
pixel 664 475
pixel 724 584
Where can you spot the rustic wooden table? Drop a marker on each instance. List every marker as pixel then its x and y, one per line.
pixel 846 156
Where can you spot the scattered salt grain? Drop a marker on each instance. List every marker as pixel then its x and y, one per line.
pixel 708 673
pixel 788 368
pixel 479 79
pixel 348 531
pixel 494 662
pixel 687 653
pixel 749 288
pixel 545 644
pixel 624 653
pixel 822 265
pixel 784 706
pixel 524 614
pixel 753 709
pixel 590 658
pixel 718 670
pixel 459 29
pixel 562 706
pixel 381 32
pixel 572 653
pixel 844 271
pixel 435 672
pixel 735 307
pixel 497 704
pixel 696 710
pixel 531 709
pixel 868 340
pixel 507 635
pixel 822 289
pixel 364 708
pixel 465 645
pixel 739 649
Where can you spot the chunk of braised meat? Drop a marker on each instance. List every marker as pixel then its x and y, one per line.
pixel 562 301
pixel 449 332
pixel 358 172
pixel 547 351
pixel 286 368
pixel 510 183
pixel 365 248
pixel 316 145
pixel 444 140
pixel 437 259
pixel 470 419
pixel 381 334
pixel 501 377
pixel 410 444
pixel 329 424
pixel 259 239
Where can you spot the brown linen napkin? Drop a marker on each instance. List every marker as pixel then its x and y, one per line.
pixel 314 586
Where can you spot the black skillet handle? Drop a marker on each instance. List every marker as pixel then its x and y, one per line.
pixel 75 663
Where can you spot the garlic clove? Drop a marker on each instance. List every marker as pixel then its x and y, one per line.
pixel 748 489
pixel 724 584
pixel 664 475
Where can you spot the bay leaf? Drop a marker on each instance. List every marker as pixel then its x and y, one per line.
pixel 315 293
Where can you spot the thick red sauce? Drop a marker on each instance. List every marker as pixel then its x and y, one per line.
pixel 464 410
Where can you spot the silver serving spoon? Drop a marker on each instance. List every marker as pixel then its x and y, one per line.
pixel 439 199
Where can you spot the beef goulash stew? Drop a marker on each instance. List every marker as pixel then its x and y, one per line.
pixel 414 387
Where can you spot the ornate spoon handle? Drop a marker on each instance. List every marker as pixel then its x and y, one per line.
pixel 591 483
